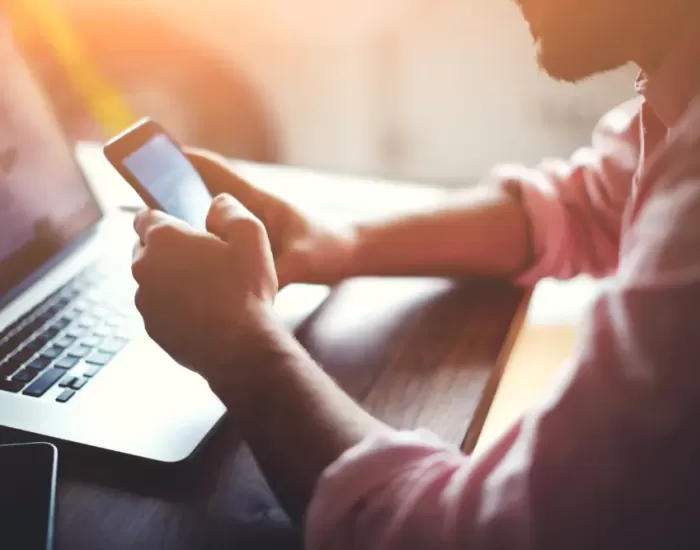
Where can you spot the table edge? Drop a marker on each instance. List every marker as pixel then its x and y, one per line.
pixel 488 395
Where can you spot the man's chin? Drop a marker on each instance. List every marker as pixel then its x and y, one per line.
pixel 574 64
pixel 561 67
pixel 558 71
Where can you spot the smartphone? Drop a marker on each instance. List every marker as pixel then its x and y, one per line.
pixel 153 163
pixel 27 496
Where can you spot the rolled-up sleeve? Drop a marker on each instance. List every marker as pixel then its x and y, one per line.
pixel 610 459
pixel 373 479
pixel 575 207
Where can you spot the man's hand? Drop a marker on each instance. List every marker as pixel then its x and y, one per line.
pixel 305 250
pixel 205 297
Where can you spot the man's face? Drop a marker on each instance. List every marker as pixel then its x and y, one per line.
pixel 578 38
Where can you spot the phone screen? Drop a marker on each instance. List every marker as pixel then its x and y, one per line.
pixel 27 487
pixel 164 171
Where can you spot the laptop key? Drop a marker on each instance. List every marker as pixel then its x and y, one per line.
pixel 42 319
pixel 24 355
pixel 55 328
pixel 33 325
pixel 113 345
pixel 64 342
pixel 78 383
pixel 39 363
pixel 6 348
pixel 65 396
pixel 62 302
pixel 40 340
pixel 99 358
pixel 26 375
pixel 100 311
pixel 42 384
pixel 52 352
pixel 51 333
pixel 13 343
pixel 67 382
pixel 23 334
pixel 92 371
pixel 11 386
pixel 50 312
pixel 67 362
pixel 81 305
pixel 88 321
pixel 114 322
pixel 91 341
pixel 103 331
pixel 62 323
pixel 79 350
pixel 76 331
pixel 75 311
pixel 8 367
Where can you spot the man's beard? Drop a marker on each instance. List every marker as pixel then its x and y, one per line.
pixel 567 52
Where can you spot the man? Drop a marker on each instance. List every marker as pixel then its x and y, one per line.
pixel 611 459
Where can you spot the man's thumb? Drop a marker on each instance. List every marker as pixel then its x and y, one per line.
pixel 219 178
pixel 224 212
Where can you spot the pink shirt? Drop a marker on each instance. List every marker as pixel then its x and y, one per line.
pixel 611 458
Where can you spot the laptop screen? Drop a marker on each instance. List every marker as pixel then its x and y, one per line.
pixel 45 202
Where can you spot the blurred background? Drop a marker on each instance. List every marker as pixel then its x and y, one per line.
pixel 426 90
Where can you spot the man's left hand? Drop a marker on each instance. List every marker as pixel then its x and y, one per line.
pixel 205 297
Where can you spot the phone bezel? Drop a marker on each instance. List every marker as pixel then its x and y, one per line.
pixel 130 140
pixel 53 460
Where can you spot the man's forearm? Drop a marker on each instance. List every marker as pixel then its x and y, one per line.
pixel 480 231
pixel 296 420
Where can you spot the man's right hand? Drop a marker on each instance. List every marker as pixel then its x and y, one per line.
pixel 305 250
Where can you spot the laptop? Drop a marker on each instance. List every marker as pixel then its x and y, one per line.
pixel 75 361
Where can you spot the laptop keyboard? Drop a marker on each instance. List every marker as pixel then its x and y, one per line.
pixel 70 337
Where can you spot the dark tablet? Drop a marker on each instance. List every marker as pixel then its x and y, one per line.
pixel 27 496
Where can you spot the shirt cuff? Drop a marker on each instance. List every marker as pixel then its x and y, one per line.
pixel 359 472
pixel 546 223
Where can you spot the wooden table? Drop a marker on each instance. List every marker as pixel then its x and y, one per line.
pixel 542 348
pixel 415 352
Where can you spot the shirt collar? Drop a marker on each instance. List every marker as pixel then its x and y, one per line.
pixel 671 88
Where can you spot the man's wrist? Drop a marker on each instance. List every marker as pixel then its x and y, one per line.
pixel 331 256
pixel 349 255
pixel 264 345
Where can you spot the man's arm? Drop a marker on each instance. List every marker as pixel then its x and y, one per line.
pixel 609 459
pixel 560 219
pixel 295 418
pixel 479 231
pixel 206 298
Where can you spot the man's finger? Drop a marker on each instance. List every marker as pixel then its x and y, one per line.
pixel 225 210
pixel 146 219
pixel 216 172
